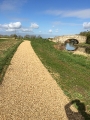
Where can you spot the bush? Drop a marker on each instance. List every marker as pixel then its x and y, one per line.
pixel 88 39
pixel 87 49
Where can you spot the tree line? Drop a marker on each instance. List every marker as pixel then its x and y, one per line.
pixel 20 37
pixel 87 34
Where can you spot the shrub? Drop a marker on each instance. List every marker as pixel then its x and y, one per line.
pixel 88 39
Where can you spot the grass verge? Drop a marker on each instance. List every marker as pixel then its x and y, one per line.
pixel 71 72
pixel 7 50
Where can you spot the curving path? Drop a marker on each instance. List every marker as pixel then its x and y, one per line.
pixel 28 91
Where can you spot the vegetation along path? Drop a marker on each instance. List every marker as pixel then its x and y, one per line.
pixel 28 92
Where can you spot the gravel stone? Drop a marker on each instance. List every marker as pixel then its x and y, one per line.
pixel 28 91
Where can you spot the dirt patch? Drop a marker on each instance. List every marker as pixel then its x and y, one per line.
pixel 81 53
pixel 59 46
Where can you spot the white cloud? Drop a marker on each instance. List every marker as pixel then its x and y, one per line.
pixel 84 13
pixel 5 26
pixel 15 25
pixel 78 13
pixel 6 5
pixel 26 30
pixel 10 30
pixel 86 25
pixel 34 25
pixel 11 26
pixel 57 23
pixel 10 5
pixel 50 31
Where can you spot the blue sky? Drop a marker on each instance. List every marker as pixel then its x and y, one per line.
pixel 47 18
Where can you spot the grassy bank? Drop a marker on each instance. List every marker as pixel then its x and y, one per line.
pixel 7 50
pixel 71 72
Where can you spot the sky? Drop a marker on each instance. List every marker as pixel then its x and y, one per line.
pixel 47 18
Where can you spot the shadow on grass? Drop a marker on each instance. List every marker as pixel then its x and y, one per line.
pixel 80 115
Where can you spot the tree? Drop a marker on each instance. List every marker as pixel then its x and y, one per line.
pixel 13 35
pixel 19 37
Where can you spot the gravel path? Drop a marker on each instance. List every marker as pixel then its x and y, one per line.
pixel 28 91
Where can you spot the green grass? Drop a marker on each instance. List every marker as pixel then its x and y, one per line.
pixel 7 50
pixel 71 72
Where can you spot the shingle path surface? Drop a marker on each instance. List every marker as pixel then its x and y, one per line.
pixel 28 92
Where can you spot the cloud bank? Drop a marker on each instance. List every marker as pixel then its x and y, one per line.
pixel 84 13
pixel 86 25
pixel 10 5
pixel 13 26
